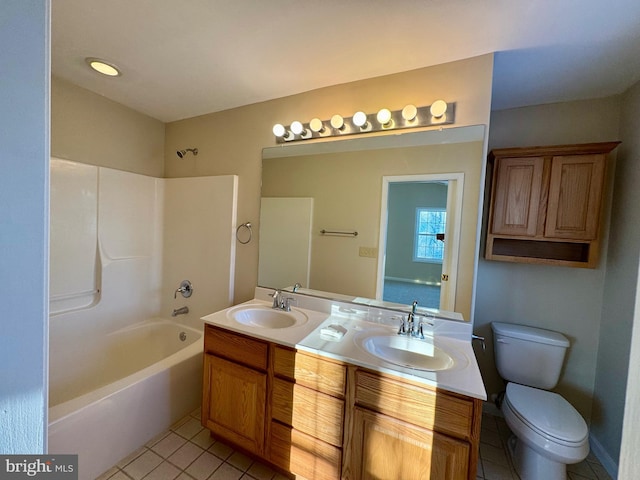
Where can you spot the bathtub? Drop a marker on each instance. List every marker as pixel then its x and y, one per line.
pixel 124 389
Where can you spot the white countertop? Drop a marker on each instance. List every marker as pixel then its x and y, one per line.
pixel 289 337
pixel 453 337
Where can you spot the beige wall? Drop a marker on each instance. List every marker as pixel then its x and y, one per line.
pixel 568 300
pixel 620 287
pixel 88 128
pixel 231 142
pixel 347 189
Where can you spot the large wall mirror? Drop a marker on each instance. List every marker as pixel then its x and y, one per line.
pixel 376 219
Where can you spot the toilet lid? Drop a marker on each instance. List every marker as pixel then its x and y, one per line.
pixel 547 413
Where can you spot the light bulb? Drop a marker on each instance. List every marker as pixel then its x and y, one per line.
pixel 384 117
pixel 360 119
pixel 316 125
pixel 409 112
pixel 438 108
pixel 337 122
pixel 296 128
pixel 103 67
pixel 279 130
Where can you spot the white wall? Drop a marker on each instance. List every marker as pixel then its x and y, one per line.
pixel 24 197
pixel 568 300
pixel 152 233
pixel 199 244
pixel 285 253
pixel 620 287
pixel 126 267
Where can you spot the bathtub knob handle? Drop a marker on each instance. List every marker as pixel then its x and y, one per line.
pixel 186 289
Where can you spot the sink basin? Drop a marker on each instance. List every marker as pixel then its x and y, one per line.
pixel 407 352
pixel 265 317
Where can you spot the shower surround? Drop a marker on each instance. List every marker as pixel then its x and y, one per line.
pixel 121 243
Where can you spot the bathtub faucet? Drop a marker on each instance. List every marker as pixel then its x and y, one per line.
pixel 180 311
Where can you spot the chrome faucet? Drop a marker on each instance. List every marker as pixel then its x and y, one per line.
pixel 412 314
pixel 276 298
pixel 180 311
pixel 185 289
pixel 279 302
pixel 409 326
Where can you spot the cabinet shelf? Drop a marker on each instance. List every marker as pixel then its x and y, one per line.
pixel 575 254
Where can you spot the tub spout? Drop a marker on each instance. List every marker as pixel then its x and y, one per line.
pixel 180 311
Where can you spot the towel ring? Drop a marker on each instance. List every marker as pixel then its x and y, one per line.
pixel 246 225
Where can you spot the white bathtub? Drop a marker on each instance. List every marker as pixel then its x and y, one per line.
pixel 123 390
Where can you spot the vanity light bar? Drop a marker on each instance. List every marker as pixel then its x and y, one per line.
pixel 436 114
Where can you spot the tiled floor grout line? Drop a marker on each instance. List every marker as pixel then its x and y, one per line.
pixel 574 472
pixel 244 471
pixel 494 431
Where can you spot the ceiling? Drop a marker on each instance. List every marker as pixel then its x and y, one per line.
pixel 186 58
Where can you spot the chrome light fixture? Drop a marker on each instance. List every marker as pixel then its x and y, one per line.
pixel 437 114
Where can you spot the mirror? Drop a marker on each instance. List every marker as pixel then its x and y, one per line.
pixel 337 187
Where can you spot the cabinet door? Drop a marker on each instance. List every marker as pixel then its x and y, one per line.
pixel 575 191
pixel 517 187
pixel 234 402
pixel 387 448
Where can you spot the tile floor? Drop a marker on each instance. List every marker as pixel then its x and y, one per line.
pixel 187 452
pixel 495 462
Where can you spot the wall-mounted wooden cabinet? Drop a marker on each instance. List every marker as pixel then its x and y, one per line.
pixel 546 204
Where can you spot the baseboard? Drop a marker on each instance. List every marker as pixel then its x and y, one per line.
pixel 605 459
pixel 414 282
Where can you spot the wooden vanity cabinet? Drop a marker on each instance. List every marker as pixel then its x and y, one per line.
pixel 545 204
pixel 322 419
pixel 235 388
pixel 410 431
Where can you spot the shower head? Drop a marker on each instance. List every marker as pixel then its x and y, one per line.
pixel 182 153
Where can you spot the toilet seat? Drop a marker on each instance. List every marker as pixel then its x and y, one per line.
pixel 548 414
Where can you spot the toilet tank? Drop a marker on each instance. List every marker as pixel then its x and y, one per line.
pixel 529 356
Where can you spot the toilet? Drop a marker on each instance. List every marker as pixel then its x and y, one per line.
pixel 548 432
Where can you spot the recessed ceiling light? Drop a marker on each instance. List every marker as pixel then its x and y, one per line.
pixel 103 67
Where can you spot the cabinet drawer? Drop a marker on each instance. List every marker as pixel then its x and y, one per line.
pixel 417 405
pixel 310 371
pixel 236 347
pixel 304 455
pixel 311 412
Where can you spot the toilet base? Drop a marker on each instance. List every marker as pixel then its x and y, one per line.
pixel 530 465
